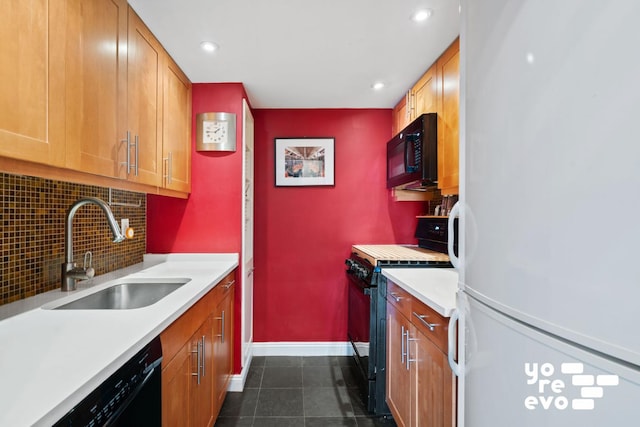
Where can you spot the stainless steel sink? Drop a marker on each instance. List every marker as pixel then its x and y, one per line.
pixel 124 296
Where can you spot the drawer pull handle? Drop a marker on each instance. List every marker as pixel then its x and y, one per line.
pixel 408 359
pixel 431 326
pixel 230 284
pixel 395 296
pixel 199 352
pixel 403 352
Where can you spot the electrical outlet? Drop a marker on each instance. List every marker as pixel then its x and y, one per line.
pixel 125 224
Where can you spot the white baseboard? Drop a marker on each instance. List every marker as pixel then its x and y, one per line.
pixel 302 348
pixel 236 384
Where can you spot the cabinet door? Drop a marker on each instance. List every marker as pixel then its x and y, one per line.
pixel 202 376
pixel 29 78
pixel 176 133
pixel 432 382
pixel 425 93
pixel 87 51
pixel 448 105
pixel 145 64
pixel 400 116
pixel 176 389
pixel 223 344
pixel 398 379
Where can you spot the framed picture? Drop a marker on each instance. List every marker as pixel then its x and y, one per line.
pixel 304 161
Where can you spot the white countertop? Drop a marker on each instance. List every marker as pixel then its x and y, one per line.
pixel 435 287
pixel 51 359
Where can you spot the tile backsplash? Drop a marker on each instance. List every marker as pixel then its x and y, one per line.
pixel 32 217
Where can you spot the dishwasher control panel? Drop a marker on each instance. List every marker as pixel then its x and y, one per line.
pixel 117 395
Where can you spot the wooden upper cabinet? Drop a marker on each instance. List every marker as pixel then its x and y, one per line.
pixel 24 76
pixel 87 53
pixel 448 124
pixel 424 93
pixel 176 129
pixel 421 98
pixel 80 79
pixel 140 160
pixel 400 115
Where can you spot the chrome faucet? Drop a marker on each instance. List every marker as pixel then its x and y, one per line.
pixel 70 272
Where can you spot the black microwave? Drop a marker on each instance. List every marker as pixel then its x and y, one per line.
pixel 412 155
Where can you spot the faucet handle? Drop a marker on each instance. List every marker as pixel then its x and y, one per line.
pixel 89 271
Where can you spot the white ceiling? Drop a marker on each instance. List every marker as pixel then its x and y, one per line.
pixel 305 53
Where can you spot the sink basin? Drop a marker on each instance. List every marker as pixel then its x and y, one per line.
pixel 125 296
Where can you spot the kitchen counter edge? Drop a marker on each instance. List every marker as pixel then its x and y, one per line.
pixel 435 287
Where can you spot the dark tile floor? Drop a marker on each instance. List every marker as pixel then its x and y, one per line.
pixel 298 392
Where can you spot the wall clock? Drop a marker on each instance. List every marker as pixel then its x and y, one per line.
pixel 216 132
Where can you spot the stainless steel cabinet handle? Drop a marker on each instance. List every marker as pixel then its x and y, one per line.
pixel 203 354
pixel 431 326
pixel 198 352
pixel 169 160
pixel 395 296
pixel 135 171
pixel 127 141
pixel 402 349
pixel 229 284
pixel 409 359
pixel 222 335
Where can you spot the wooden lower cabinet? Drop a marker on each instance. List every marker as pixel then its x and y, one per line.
pixel 197 359
pixel 433 383
pixel 420 384
pixel 398 379
pixel 223 343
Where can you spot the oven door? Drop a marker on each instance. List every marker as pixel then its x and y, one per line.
pixel 361 324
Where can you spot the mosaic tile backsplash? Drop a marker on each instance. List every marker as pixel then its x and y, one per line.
pixel 32 217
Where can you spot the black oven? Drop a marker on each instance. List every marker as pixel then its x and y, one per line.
pixel 129 397
pixel 362 329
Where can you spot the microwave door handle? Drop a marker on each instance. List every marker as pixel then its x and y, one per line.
pixel 407 168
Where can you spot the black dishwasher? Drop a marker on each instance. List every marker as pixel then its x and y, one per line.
pixel 129 397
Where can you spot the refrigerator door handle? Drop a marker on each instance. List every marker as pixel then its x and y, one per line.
pixel 451 342
pixel 455 210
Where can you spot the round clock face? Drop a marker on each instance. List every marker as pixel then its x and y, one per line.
pixel 216 132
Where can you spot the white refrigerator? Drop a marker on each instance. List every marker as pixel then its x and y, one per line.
pixel 549 267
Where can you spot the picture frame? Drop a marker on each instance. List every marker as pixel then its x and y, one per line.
pixel 304 161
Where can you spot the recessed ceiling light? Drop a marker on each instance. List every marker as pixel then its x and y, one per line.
pixel 209 46
pixel 421 15
pixel 377 85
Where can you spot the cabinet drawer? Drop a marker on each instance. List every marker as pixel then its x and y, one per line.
pixel 429 323
pixel 400 298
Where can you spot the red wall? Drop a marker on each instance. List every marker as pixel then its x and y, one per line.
pixel 304 234
pixel 210 219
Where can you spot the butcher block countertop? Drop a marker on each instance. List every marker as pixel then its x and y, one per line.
pixel 436 287
pixel 51 359
pixel 375 253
